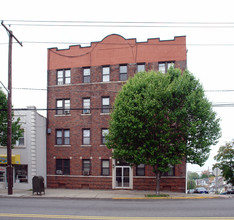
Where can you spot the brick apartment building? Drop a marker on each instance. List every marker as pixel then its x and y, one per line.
pixel 82 85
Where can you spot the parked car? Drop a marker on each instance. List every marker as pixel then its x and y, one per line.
pixel 190 190
pixel 201 190
pixel 228 192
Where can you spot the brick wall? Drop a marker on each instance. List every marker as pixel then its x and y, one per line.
pixel 113 51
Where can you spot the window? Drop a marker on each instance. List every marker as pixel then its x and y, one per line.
pixel 63 76
pixel 86 167
pixel 86 75
pixel 86 105
pixel 62 137
pixel 62 167
pixel 62 106
pixel 140 67
pixel 86 136
pixel 105 131
pixel 21 173
pixel 105 104
pixel 106 74
pixel 171 172
pixel 20 141
pixel 123 72
pixel 164 67
pixel 140 170
pixel 105 168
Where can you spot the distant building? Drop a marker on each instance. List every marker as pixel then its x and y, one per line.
pixel 29 153
pixel 82 86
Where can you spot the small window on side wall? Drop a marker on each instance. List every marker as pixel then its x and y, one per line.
pixel 105 168
pixel 163 67
pixel 140 170
pixel 86 75
pixel 123 72
pixel 86 106
pixel 105 74
pixel 86 137
pixel 171 172
pixel 105 131
pixel 140 67
pixel 105 104
pixel 86 167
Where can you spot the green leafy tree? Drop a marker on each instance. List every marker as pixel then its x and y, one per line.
pixel 225 163
pixel 160 119
pixel 193 175
pixel 191 184
pixel 16 129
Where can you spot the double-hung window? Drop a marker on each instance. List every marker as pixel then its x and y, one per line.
pixel 62 167
pixel 86 105
pixel 123 72
pixel 63 76
pixel 20 141
pixel 164 66
pixel 62 136
pixel 86 136
pixel 105 168
pixel 140 67
pixel 105 74
pixel 140 170
pixel 171 172
pixel 62 106
pixel 86 166
pixel 105 131
pixel 86 75
pixel 105 104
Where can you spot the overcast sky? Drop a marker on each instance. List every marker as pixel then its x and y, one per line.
pixel 207 24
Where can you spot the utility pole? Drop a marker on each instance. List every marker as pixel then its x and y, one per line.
pixel 9 112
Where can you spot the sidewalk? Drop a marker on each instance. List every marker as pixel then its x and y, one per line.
pixel 103 194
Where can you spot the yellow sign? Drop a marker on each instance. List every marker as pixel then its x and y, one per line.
pixel 15 159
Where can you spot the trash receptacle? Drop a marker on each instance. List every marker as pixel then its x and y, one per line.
pixel 38 185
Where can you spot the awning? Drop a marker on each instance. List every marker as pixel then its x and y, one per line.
pixel 15 159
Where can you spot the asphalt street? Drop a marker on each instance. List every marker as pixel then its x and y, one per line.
pixel 45 208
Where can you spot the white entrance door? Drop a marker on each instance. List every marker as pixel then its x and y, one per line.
pixel 122 177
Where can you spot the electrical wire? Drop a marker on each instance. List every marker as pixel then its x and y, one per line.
pixel 134 24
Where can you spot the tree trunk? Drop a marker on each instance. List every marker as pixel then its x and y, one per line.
pixel 158 177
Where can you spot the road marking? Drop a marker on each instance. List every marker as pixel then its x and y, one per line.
pixel 109 217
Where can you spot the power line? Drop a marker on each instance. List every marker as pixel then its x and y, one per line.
pixel 128 24
pixel 44 89
pixel 150 44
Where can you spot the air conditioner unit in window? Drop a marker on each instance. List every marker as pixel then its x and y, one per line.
pixel 86 172
pixel 60 83
pixel 59 172
pixel 86 111
pixel 66 112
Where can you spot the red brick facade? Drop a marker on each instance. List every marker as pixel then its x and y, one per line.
pixel 67 128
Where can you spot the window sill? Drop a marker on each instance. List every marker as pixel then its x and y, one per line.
pixel 62 115
pixel 104 113
pixel 102 145
pixel 62 145
pixel 86 145
pixel 86 114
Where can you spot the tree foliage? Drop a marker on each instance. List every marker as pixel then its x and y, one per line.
pixel 16 129
pixel 161 119
pixel 224 160
pixel 193 175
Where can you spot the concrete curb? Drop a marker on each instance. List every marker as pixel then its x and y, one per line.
pixel 153 198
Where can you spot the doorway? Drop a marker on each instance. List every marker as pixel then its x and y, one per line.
pixel 122 177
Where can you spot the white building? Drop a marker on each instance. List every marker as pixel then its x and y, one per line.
pixel 29 154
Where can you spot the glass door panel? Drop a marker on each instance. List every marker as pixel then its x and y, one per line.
pixel 122 177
